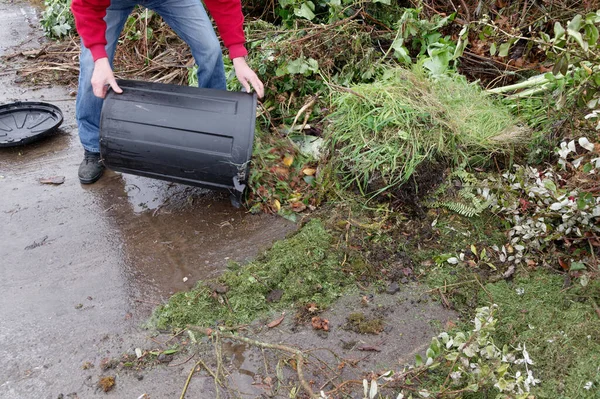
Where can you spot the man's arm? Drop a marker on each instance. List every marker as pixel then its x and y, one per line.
pixel 230 23
pixel 89 21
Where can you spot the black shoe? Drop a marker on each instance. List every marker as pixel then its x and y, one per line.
pixel 91 168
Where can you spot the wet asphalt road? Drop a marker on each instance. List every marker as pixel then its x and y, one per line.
pixel 81 267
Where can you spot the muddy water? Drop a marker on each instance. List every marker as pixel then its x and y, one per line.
pixel 81 267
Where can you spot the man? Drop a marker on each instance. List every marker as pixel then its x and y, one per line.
pixel 99 23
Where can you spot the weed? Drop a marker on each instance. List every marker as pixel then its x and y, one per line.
pixel 57 19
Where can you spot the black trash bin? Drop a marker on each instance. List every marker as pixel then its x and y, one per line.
pixel 200 137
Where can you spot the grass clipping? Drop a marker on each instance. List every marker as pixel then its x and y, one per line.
pixel 305 268
pixel 383 131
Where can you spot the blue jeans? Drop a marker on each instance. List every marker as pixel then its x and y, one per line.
pixel 187 18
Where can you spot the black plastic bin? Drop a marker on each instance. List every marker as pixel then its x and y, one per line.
pixel 200 137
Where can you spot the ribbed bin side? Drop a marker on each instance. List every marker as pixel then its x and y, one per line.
pixel 194 136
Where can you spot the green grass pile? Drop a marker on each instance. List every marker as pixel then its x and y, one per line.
pixel 559 328
pixel 304 267
pixel 381 132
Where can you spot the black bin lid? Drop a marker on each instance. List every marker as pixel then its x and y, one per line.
pixel 24 122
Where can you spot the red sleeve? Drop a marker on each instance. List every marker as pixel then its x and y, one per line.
pixel 230 23
pixel 89 21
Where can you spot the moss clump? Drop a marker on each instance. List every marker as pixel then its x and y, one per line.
pixel 304 267
pixel 362 324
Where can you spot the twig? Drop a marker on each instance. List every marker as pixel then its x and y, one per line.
pixel 210 372
pixel 326 28
pixel 347 90
pixel 176 335
pixel 485 290
pixel 182 363
pixel 298 354
pixel 302 110
pixel 450 285
pixel 464 5
pixel 187 383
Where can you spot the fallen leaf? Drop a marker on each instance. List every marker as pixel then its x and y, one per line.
pixel 276 205
pixel 309 171
pixel 288 160
pixel 298 206
pixel 276 322
pixel 281 172
pixel 52 180
pixel 320 324
pixel 312 307
pixel 563 264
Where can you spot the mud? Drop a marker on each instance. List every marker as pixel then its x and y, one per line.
pixel 82 267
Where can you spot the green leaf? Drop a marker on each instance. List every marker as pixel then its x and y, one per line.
pixel 418 361
pixel 306 10
pixel 550 185
pixel 561 66
pixel 387 2
pixel 588 167
pixel 575 266
pixel 430 353
pixel 591 33
pixel 493 49
pixel 310 180
pixel 575 23
pixel 501 384
pixel 579 39
pixel 559 31
pixel 170 351
pixel 472 388
pixel 504 48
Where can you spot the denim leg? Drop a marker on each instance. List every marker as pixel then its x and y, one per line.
pixel 191 23
pixel 88 107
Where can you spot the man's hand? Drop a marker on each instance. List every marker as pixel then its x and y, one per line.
pixel 247 77
pixel 103 77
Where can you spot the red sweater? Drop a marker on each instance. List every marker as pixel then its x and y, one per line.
pixel 89 20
